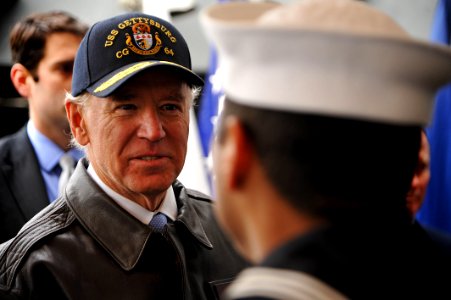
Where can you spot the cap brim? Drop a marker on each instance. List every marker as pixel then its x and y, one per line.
pixel 109 83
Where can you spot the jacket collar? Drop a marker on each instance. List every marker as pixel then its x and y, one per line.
pixel 190 215
pixel 122 236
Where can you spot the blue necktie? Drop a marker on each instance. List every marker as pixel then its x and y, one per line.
pixel 158 222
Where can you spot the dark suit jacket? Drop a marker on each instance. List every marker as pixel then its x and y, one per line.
pixel 22 188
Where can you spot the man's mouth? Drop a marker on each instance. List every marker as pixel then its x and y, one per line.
pixel 149 158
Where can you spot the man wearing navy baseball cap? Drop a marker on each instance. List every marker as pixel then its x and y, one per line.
pixel 116 50
pixel 125 228
pixel 316 148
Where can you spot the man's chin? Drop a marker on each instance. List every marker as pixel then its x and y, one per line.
pixel 152 187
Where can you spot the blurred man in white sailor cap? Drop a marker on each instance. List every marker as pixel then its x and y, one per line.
pixel 316 148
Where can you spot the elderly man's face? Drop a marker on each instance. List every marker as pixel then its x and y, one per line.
pixel 137 139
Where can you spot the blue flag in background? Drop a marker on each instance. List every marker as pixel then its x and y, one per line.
pixel 436 209
pixel 210 103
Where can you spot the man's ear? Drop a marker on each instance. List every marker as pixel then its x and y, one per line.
pixel 20 77
pixel 75 115
pixel 240 152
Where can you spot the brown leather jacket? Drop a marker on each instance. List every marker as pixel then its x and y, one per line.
pixel 84 246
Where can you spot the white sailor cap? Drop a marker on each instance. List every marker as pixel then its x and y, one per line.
pixel 339 58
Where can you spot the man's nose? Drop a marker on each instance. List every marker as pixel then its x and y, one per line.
pixel 151 127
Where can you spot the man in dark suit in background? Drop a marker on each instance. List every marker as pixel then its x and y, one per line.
pixel 43 48
pixel 415 197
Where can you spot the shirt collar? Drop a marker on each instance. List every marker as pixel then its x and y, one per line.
pixel 168 206
pixel 48 153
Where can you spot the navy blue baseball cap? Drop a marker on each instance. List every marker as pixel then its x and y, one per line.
pixel 118 48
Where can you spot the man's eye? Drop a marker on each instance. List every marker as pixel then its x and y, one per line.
pixel 66 68
pixel 170 107
pixel 127 107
